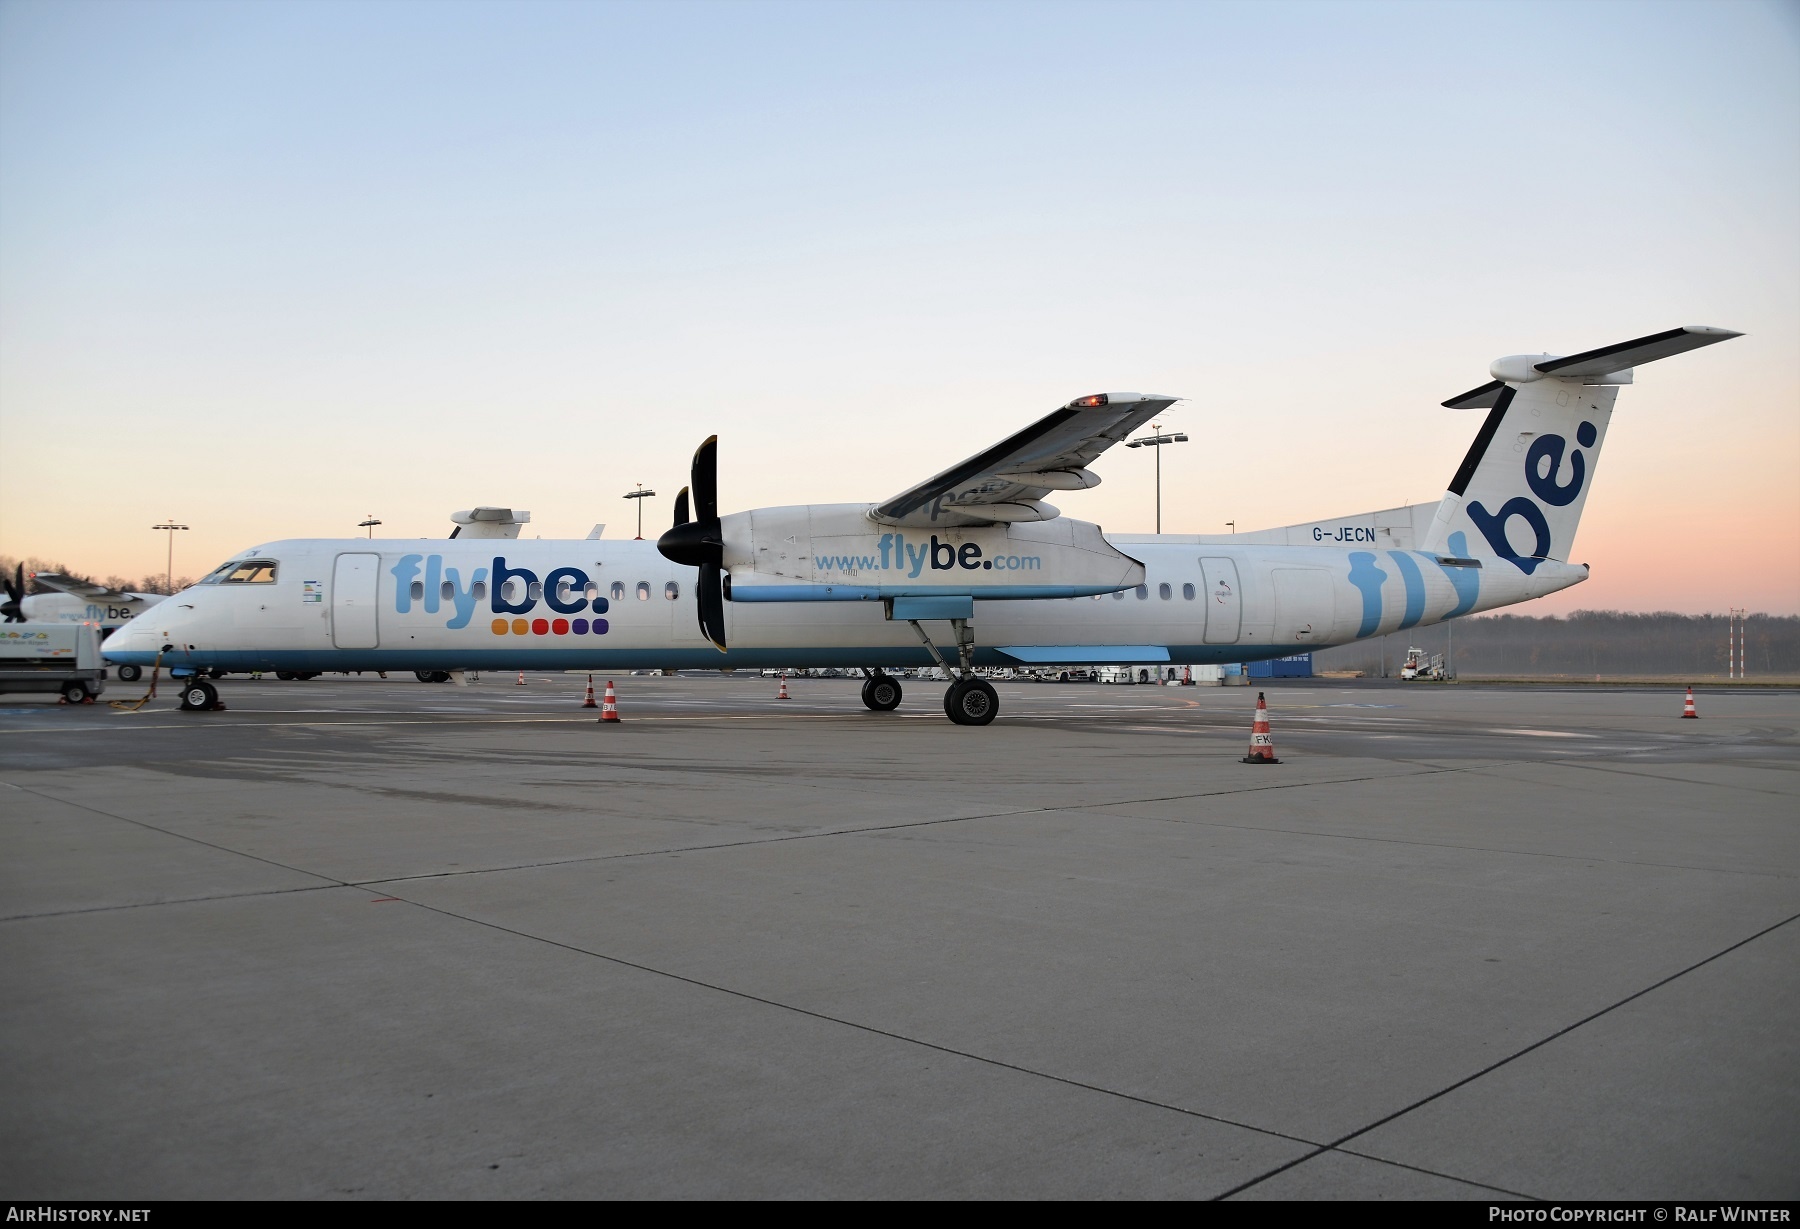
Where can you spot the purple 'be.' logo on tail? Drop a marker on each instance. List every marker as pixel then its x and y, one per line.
pixel 1542 461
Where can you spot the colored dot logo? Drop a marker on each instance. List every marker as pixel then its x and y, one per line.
pixel 549 627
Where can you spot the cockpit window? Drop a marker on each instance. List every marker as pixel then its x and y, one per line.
pixel 245 572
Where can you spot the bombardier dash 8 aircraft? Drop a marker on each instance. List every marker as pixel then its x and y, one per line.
pixel 968 568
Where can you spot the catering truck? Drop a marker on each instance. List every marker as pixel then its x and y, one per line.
pixel 61 657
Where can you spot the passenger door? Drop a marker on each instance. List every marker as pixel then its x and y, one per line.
pixel 1224 602
pixel 354 586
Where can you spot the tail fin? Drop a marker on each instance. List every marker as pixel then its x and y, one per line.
pixel 1520 490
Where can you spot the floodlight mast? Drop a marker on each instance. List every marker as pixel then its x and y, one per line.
pixel 369 525
pixel 1157 440
pixel 642 493
pixel 169 575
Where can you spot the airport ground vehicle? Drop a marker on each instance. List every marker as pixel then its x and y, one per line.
pixel 1420 665
pixel 61 657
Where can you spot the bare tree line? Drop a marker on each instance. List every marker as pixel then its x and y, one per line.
pixel 1610 643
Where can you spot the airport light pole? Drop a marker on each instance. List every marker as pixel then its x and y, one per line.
pixel 1157 440
pixel 640 495
pixel 369 525
pixel 169 575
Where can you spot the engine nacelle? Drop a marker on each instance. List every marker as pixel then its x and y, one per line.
pixel 834 552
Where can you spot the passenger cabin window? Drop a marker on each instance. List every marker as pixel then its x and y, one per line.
pixel 1187 592
pixel 643 590
pixel 535 591
pixel 1164 592
pixel 249 572
pixel 618 590
pixel 417 589
pixel 1143 591
pixel 1118 595
pixel 671 590
pixel 592 591
pixel 447 591
pixel 512 590
pixel 478 590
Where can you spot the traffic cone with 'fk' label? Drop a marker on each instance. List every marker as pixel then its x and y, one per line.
pixel 1262 743
pixel 782 694
pixel 609 706
pixel 1687 710
pixel 588 700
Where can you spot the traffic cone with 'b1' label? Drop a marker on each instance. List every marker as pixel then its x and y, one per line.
pixel 1262 743
pixel 588 700
pixel 609 706
pixel 1687 710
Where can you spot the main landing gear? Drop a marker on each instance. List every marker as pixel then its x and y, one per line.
pixel 881 692
pixel 970 700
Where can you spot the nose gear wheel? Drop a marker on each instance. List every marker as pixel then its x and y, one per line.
pixel 199 696
pixel 881 693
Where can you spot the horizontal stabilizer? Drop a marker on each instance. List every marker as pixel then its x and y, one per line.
pixel 1589 364
pixel 1637 352
pixel 1483 398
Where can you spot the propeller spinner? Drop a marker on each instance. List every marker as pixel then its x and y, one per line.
pixel 699 543
pixel 15 595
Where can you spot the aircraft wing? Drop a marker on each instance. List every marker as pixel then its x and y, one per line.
pixel 1008 481
pixel 86 590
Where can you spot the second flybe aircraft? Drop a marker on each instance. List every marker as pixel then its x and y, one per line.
pixel 968 568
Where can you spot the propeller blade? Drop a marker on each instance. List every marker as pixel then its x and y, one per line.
pixel 681 507
pixel 15 594
pixel 706 480
pixel 709 597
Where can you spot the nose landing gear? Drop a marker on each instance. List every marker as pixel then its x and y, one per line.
pixel 200 696
pixel 881 692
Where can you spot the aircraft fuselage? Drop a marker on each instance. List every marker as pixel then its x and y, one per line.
pixel 603 605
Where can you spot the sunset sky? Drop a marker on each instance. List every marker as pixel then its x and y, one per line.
pixel 269 268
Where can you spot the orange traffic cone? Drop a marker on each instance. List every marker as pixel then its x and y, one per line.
pixel 588 702
pixel 609 706
pixel 782 693
pixel 521 681
pixel 1687 710
pixel 1262 743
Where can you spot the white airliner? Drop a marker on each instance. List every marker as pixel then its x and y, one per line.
pixel 971 564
